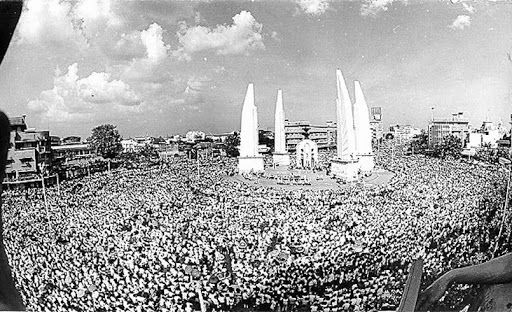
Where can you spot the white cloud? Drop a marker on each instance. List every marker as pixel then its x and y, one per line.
pixel 243 36
pixel 129 46
pixel 156 50
pixel 274 35
pixel 95 16
pixel 65 22
pixel 74 98
pixel 196 91
pixel 198 85
pixel 147 51
pixel 461 22
pixel 374 7
pixel 313 7
pixel 469 8
pixel 48 21
pixel 219 69
pixel 146 46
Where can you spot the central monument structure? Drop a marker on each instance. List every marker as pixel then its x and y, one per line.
pixel 249 161
pixel 363 132
pixel 280 156
pixel 353 139
pixel 346 164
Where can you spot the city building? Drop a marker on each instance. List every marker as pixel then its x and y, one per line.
pixel 67 156
pixel 142 141
pixel 133 145
pixel 171 150
pixel 323 135
pixel 193 136
pixel 376 124
pixel 73 151
pixel 71 140
pixel 404 132
pixel 219 137
pixel 439 128
pixel 129 145
pixel 55 140
pixel 29 152
pixel 488 135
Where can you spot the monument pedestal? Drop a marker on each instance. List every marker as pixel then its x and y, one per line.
pixel 366 163
pixel 345 169
pixel 253 164
pixel 281 159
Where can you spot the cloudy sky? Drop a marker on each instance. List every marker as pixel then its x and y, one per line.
pixel 164 67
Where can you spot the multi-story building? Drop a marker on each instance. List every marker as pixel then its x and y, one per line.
pixel 29 151
pixel 219 137
pixel 71 140
pixel 129 145
pixel 440 128
pixel 489 135
pixel 68 152
pixel 193 136
pixel 323 135
pixel 376 123
pixel 134 145
pixel 55 140
pixel 404 132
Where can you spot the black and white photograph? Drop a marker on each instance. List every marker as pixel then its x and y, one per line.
pixel 256 155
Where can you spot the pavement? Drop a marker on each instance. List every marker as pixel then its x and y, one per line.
pixel 319 180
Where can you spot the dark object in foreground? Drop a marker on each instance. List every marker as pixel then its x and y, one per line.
pixel 412 287
pixel 9 15
pixel 9 297
pixel 494 277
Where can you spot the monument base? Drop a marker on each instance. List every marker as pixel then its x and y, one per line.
pixel 366 163
pixel 345 169
pixel 281 159
pixel 253 164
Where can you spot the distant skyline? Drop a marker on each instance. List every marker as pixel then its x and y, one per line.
pixel 165 67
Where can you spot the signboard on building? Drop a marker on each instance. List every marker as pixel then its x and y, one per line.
pixel 376 113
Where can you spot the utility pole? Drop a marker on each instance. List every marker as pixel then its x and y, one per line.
pixel 505 210
pixel 197 157
pixel 41 168
pixel 58 184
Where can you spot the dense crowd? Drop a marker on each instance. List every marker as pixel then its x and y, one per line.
pixel 164 238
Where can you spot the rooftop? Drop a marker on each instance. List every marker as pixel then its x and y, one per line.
pixel 17 121
pixel 449 120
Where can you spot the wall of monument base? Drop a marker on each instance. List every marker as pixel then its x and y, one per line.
pixel 281 160
pixel 346 170
pixel 250 164
pixel 366 163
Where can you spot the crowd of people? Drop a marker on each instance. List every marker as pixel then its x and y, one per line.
pixel 165 238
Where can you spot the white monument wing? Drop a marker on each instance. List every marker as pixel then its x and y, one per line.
pixel 279 137
pixel 362 122
pixel 346 148
pixel 248 145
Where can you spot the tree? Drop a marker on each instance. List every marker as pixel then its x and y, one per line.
pixel 420 143
pixel 451 146
pixel 149 151
pixel 105 139
pixel 492 155
pixel 264 139
pixel 232 143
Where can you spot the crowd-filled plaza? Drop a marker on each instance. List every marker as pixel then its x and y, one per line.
pixel 163 238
